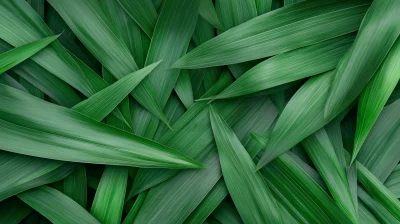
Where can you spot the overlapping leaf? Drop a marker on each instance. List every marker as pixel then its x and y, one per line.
pixel 277 32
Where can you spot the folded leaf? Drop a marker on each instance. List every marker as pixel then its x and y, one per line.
pixel 375 95
pixel 279 31
pixel 247 188
pixel 290 66
pixel 71 136
pixel 17 55
pixel 56 206
pixel 378 32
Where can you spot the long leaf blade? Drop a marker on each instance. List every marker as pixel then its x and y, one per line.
pixel 248 190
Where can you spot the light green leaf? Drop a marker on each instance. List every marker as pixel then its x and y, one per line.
pixel 71 136
pixel 17 55
pixel 290 66
pixel 55 206
pixel 375 95
pixel 378 32
pixel 322 153
pixel 110 194
pixel 247 188
pixel 279 31
pixel 99 105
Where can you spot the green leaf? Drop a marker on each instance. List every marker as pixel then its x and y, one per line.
pixel 263 6
pixel 99 105
pixel 302 116
pixel 190 187
pixel 378 210
pixel 24 172
pixel 380 154
pixel 393 182
pixel 105 45
pixel 247 188
pixel 378 191
pixel 277 32
pixel 226 213
pixel 207 11
pixel 289 2
pixel 55 59
pixel 183 88
pixel 10 81
pixel 17 55
pixel 38 5
pixel 290 66
pixel 110 194
pixel 143 12
pixel 13 211
pixel 56 206
pixel 75 186
pixel 71 136
pixel 322 153
pixel 130 218
pixel 375 95
pixel 209 203
pixel 233 13
pixel 378 32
